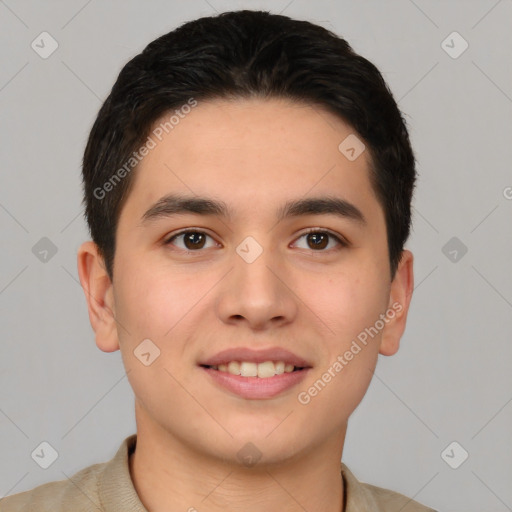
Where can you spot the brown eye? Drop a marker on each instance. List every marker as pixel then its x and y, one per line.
pixel 318 240
pixel 192 241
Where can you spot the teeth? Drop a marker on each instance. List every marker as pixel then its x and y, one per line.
pixel 261 370
pixel 233 367
pixel 249 369
pixel 266 369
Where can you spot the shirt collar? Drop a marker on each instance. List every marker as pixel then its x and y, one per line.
pixel 115 486
pixel 357 497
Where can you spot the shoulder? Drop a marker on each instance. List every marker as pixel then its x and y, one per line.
pixel 78 493
pixel 106 485
pixel 363 496
pixel 392 501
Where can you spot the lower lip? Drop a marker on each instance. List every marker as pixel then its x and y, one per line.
pixel 256 388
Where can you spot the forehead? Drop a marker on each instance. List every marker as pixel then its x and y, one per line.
pixel 252 152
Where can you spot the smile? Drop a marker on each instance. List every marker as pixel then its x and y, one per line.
pixel 263 370
pixel 255 387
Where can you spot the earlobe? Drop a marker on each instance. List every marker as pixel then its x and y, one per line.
pixel 99 295
pixel 399 299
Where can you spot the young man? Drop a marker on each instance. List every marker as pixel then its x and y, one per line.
pixel 247 185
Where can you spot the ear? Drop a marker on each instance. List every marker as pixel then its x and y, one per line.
pixel 99 295
pixel 399 299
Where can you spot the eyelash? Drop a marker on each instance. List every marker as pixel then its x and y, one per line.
pixel 341 241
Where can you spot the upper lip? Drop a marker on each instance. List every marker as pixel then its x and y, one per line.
pixel 256 356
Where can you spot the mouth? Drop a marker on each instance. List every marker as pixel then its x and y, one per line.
pixel 264 370
pixel 255 381
pixel 255 374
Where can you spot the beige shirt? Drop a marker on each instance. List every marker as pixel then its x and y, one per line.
pixel 108 487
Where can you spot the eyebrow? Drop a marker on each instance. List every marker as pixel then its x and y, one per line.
pixel 174 204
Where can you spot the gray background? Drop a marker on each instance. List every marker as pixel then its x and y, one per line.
pixel 451 379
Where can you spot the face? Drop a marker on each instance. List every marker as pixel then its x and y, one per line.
pixel 253 276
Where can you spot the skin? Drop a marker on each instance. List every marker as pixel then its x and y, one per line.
pixel 254 155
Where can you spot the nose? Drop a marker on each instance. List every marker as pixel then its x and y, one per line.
pixel 257 294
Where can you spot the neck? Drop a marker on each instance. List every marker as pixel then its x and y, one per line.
pixel 172 476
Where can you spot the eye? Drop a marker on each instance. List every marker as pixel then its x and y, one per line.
pixel 194 240
pixel 318 239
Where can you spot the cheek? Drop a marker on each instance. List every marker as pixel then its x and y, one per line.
pixel 350 307
pixel 346 302
pixel 151 306
pixel 352 302
pixel 146 304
